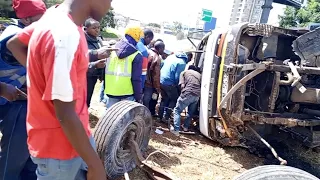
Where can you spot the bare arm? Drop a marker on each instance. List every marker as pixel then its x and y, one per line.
pixel 18 49
pixel 75 132
pixel 181 80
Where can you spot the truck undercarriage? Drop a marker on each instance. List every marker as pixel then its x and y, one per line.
pixel 263 75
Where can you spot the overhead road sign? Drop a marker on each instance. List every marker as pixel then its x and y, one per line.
pixel 206 15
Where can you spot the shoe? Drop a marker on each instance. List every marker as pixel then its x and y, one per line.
pixel 164 120
pixel 159 119
pixel 176 133
pixel 184 128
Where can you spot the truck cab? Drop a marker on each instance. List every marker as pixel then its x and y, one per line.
pixel 256 75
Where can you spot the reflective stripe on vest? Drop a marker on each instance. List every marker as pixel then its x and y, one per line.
pixel 118 75
pixel 14 74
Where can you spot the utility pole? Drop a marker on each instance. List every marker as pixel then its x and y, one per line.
pixel 266 8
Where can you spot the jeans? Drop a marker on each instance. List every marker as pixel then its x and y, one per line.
pixel 143 80
pixel 15 162
pixel 189 101
pixel 169 96
pixel 147 96
pixel 91 82
pixel 54 169
pixel 113 101
pixel 103 96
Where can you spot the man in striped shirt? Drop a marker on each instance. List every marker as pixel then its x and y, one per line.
pixel 142 47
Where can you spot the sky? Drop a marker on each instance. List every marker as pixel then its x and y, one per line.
pixel 184 11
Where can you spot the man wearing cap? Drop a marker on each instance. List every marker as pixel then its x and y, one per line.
pixel 59 136
pixel 124 69
pixel 169 79
pixel 15 159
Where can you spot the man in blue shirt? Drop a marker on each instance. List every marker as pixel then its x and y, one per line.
pixel 169 79
pixel 142 47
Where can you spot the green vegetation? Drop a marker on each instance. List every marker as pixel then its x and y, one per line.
pixel 301 17
pixel 154 25
pixel 4 20
pixel 106 34
pixel 6 11
pixel 108 20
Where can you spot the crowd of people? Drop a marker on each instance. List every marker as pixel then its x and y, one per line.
pixel 136 70
pixel 47 78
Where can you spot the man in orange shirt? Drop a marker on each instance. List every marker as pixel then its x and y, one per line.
pixel 58 120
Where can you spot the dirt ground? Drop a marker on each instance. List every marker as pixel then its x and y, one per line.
pixel 189 156
pixel 194 157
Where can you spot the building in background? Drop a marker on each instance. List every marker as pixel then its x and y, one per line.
pixel 246 11
pixel 257 11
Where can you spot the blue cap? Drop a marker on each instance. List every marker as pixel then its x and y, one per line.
pixel 181 55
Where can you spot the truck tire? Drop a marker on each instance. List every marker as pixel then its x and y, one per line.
pixel 275 172
pixel 111 135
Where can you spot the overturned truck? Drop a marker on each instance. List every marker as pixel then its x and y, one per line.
pixel 253 76
pixel 259 74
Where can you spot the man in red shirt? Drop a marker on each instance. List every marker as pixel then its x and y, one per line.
pixel 57 63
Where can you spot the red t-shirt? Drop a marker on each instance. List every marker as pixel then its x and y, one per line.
pixel 56 70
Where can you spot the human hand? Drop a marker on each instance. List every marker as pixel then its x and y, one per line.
pixel 158 91
pixel 100 64
pixel 96 173
pixel 105 52
pixel 8 92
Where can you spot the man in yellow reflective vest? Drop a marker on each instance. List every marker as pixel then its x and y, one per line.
pixel 124 69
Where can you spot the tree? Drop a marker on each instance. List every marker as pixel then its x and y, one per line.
pixel 108 20
pixel 301 17
pixel 289 19
pixel 50 3
pixel 177 27
pixel 6 10
pixel 154 25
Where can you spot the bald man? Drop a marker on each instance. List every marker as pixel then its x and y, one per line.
pixel 152 84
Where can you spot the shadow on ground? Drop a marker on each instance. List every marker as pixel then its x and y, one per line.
pixel 291 150
pixel 237 154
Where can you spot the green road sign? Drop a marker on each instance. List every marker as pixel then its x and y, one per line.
pixel 206 18
pixel 206 15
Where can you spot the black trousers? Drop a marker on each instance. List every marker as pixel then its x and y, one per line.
pixel 15 161
pixel 91 82
pixel 152 106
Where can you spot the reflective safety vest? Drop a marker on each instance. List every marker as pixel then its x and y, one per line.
pixel 11 72
pixel 118 75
